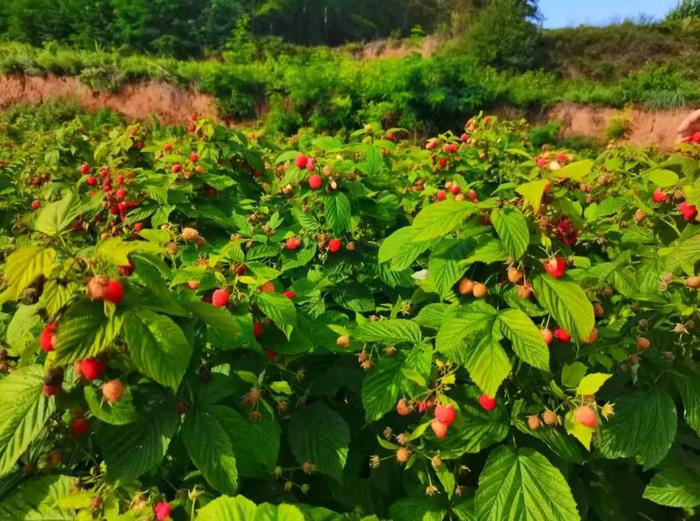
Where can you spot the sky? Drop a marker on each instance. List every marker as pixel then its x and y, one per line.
pixel 563 13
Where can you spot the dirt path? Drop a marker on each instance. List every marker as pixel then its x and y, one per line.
pixel 167 102
pixel 172 105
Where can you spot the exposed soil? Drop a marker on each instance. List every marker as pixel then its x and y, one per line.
pixel 397 48
pixel 169 103
pixel 645 127
pixel 172 105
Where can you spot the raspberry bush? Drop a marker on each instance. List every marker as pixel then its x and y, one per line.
pixel 203 324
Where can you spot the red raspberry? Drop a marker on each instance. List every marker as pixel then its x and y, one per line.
pixel 556 267
pixel 487 402
pixel 445 414
pixel 220 298
pixel 439 428
pixel 47 338
pixel 91 368
pixel 334 245
pixel 79 427
pixel 315 182
pixel 586 416
pixel 562 335
pixel 115 292
pixel 301 161
pixel 293 243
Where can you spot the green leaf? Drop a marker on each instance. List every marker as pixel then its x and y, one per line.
pixel 319 435
pixel 591 383
pixel 532 193
pixel 572 374
pixel 121 412
pixel 255 444
pixel 209 446
pixel 337 212
pixel 661 177
pixel 689 389
pixel 525 338
pixel 23 266
pixel 220 319
pixel 418 509
pixel 381 387
pixel 445 267
pixel 134 449
pixel 437 220
pixel 157 346
pixel 677 484
pixel 57 216
pixel 35 500
pixel 389 331
pixel 85 331
pixel 226 508
pixel 116 250
pixel 521 485
pixel 431 316
pixel 281 512
pixel 462 327
pixel 576 170
pixel 644 427
pixel 400 249
pixel 25 411
pixel 579 431
pixel 511 227
pixel 566 301
pixel 487 361
pixel 280 310
pixel 19 331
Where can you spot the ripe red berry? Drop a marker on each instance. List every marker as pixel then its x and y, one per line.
pixel 91 181
pixel 334 245
pixel 120 179
pixel 162 511
pixel 36 204
pixel 268 287
pixel 138 227
pixel 315 181
pixel 79 427
pixel 487 402
pixel 445 414
pixel 562 335
pixel 301 161
pixel 176 168
pixel 257 329
pixel 293 243
pixel 688 211
pixel 91 368
pixel 441 195
pixel 556 267
pixel 191 127
pixel 311 165
pixel 442 162
pixel 464 137
pixel 194 157
pixel 659 196
pixel 47 338
pixel 113 390
pixel 455 189
pixel 167 147
pixel 84 169
pixel 439 428
pixel 289 294
pixel 126 270
pixel 120 193
pixel 220 298
pixel 115 292
pixel 586 416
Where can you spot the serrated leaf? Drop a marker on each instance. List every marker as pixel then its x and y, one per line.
pixel 418 509
pixel 381 388
pixel 85 331
pixel 35 500
pixel 444 266
pixel 281 387
pixel 576 170
pixel 572 374
pixel 644 427
pixel 256 444
pixel 661 177
pixel 677 484
pixel 566 301
pixel 532 193
pixel 319 435
pixel 389 331
pixel 280 310
pixel 226 508
pixel 116 250
pixel 525 338
pixel 591 383
pixel 511 227
pixel 210 449
pixel 689 389
pixel 23 266
pixel 25 412
pixel 337 212
pixel 400 250
pixel 57 216
pixel 521 485
pixel 437 220
pixel 134 449
pixel 158 347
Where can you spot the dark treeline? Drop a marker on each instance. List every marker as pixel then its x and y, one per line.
pixel 193 28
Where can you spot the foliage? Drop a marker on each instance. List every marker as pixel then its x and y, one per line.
pixel 311 390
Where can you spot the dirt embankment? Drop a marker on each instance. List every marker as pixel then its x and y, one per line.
pixel 169 103
pixel 172 105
